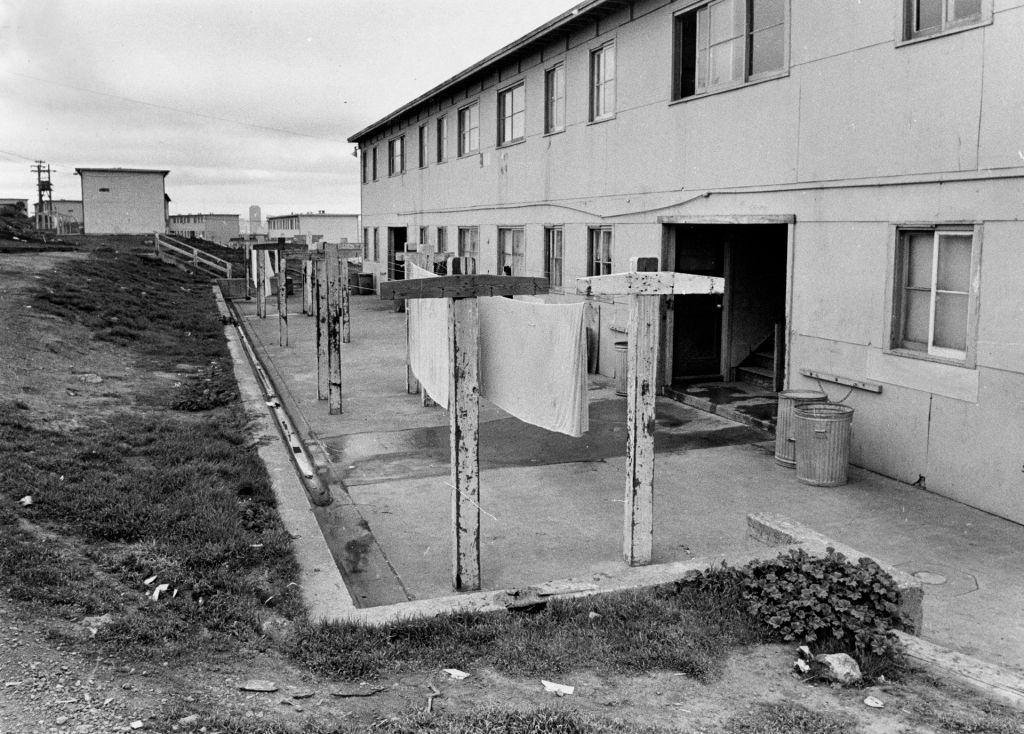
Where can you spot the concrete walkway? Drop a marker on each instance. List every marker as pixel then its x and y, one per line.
pixel 553 505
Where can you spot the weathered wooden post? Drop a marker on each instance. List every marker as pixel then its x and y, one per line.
pixel 464 396
pixel 247 252
pixel 346 314
pixel 283 253
pixel 307 287
pixel 335 286
pixel 322 390
pixel 261 284
pixel 644 287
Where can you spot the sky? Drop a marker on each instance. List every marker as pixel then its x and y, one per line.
pixel 243 101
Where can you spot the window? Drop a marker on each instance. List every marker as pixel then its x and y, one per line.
pixel 423 239
pixel 602 82
pixel 442 138
pixel 727 43
pixel 930 17
pixel 599 260
pixel 469 129
pixel 936 295
pixel 553 255
pixel 512 114
pixel 373 162
pixel 396 156
pixel 510 250
pixel 554 99
pixel 422 143
pixel 366 243
pixel 442 239
pixel 469 242
pixel 376 244
pixel 365 173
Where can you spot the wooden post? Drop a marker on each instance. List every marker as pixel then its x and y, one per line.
pixel 247 249
pixel 307 287
pixel 334 292
pixel 464 424
pixel 261 284
pixel 464 398
pixel 321 329
pixel 644 287
pixel 282 300
pixel 346 314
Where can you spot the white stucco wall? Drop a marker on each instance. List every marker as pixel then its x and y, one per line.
pixel 133 202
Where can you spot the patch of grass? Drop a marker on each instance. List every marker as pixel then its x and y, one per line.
pixel 683 629
pixel 952 709
pixel 501 721
pixel 787 717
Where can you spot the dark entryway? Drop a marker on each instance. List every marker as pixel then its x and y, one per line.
pixel 736 335
pixel 397 237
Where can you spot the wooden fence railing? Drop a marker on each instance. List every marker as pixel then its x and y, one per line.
pixel 185 254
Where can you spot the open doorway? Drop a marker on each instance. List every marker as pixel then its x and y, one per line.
pixel 735 336
pixel 397 238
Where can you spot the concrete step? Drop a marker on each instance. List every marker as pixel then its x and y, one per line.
pixel 758 376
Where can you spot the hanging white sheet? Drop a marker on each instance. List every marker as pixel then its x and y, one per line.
pixel 428 340
pixel 271 270
pixel 533 362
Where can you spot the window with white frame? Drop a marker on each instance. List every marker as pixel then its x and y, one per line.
pixel 442 239
pixel 554 99
pixel 922 18
pixel 553 255
pixel 602 82
pixel 511 245
pixel 726 43
pixel 469 242
pixel 599 256
pixel 936 291
pixel 421 145
pixel 442 138
pixel 512 114
pixel 396 156
pixel 469 129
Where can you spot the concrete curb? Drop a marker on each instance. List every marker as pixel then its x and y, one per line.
pixel 323 590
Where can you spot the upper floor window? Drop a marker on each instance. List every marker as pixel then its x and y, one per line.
pixel 442 138
pixel 373 162
pixel 396 156
pixel 553 255
pixel 421 145
pixel 726 43
pixel 599 260
pixel 469 129
pixel 469 242
pixel 554 99
pixel 512 114
pixel 936 293
pixel 602 82
pixel 930 17
pixel 366 243
pixel 365 163
pixel 510 250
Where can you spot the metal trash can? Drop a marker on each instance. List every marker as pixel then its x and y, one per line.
pixel 621 367
pixel 822 443
pixel 785 439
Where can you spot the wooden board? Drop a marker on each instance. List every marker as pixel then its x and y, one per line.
pixel 290 250
pixel 463 286
pixel 649 284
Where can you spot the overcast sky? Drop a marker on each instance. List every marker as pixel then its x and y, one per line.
pixel 243 101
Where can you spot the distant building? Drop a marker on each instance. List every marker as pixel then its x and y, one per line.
pixel 123 200
pixel 67 209
pixel 219 228
pixel 255 220
pixel 13 206
pixel 312 228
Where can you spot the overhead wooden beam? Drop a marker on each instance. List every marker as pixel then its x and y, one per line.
pixel 291 250
pixel 639 284
pixel 463 286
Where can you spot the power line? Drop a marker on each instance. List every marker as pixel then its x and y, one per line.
pixel 176 109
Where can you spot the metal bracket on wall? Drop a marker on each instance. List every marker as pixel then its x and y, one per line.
pixel 849 382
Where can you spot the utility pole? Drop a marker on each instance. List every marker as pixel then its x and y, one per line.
pixel 43 185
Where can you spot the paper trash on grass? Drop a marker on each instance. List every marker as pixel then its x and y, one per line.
pixel 873 702
pixel 557 688
pixel 456 673
pixel 149 581
pixel 25 501
pixel 159 590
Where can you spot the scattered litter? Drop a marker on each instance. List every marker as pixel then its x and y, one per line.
pixel 873 702
pixel 557 688
pixel 159 590
pixel 107 700
pixel 434 693
pixel 256 545
pixel 592 615
pixel 456 673
pixel 137 724
pixel 11 683
pixel 61 478
pixel 259 686
pixel 356 691
pixel 25 501
pixel 801 667
pixel 804 652
pixel 174 593
pixel 149 581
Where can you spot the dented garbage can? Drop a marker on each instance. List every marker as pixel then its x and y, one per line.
pixel 785 438
pixel 822 443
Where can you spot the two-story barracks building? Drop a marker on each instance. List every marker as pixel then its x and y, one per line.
pixel 855 170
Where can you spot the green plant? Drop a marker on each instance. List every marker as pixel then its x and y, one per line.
pixel 826 602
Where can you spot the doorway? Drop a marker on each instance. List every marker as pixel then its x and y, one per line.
pixel 397 238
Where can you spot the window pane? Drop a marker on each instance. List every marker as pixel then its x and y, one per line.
pixel 920 246
pixel 726 62
pixel 964 9
pixel 951 321
pixel 726 20
pixel 917 307
pixel 929 14
pixel 767 13
pixel 954 272
pixel 767 51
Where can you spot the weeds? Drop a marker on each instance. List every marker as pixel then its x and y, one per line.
pixel 786 717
